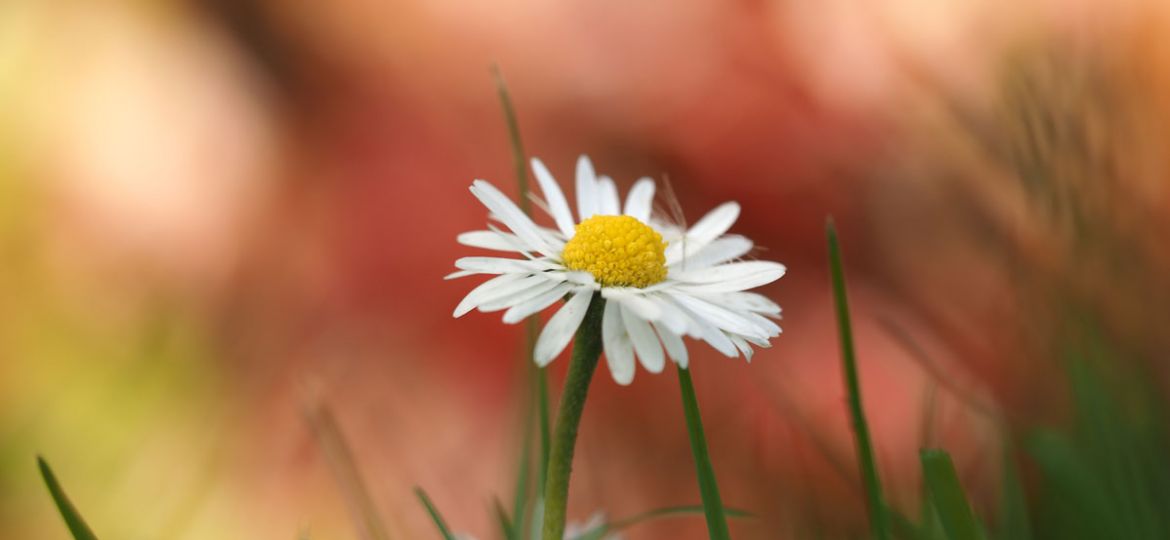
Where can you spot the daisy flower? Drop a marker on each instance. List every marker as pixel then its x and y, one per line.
pixel 661 282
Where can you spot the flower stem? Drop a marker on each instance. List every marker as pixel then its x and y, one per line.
pixel 586 351
pixel 708 487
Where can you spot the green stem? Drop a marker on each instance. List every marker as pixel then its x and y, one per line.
pixel 878 519
pixel 708 487
pixel 586 351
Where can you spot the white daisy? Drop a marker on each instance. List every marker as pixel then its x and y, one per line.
pixel 660 282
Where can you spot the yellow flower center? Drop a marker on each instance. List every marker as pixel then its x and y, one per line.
pixel 619 251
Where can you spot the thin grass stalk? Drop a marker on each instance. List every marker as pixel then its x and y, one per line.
pixel 704 471
pixel 878 518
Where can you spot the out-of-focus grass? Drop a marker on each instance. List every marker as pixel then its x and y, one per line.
pixel 72 518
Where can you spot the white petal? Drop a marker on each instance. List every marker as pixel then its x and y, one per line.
pixel 459 274
pixel 674 345
pixel 619 352
pixel 587 196
pixel 486 290
pixel 717 339
pixel 499 241
pixel 510 215
pixel 645 342
pixel 639 200
pixel 761 343
pixel 727 271
pixel 561 327
pixel 715 223
pixel 557 206
pixel 749 301
pixel 672 317
pixel 730 277
pixel 635 301
pixel 543 283
pixel 706 331
pixel 718 251
pixel 501 265
pixel 742 346
pixel 582 278
pixel 772 328
pixel 521 311
pixel 608 197
pixel 720 317
pixel 710 227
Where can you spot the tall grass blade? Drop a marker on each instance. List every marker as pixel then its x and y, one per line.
pixel 878 518
pixel 1014 522
pixel 73 519
pixel 947 497
pixel 434 513
pixel 708 487
pixel 339 457
pixel 536 375
pixel 506 526
pixel 542 406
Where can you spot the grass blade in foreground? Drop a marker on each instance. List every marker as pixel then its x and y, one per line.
pixel 506 527
pixel 708 488
pixel 536 375
pixel 1014 522
pixel 338 456
pixel 942 485
pixel 434 513
pixel 73 519
pixel 878 518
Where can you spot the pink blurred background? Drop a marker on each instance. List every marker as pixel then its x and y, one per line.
pixel 216 214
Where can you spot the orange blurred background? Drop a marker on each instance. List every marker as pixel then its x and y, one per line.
pixel 217 214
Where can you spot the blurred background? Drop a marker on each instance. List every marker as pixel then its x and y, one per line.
pixel 220 218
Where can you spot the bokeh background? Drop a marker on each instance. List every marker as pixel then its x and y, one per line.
pixel 218 218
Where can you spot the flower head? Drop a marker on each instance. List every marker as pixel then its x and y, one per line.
pixel 661 282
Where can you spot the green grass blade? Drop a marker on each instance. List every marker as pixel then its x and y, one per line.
pixel 903 528
pixel 506 526
pixel 708 487
pixel 518 156
pixel 72 518
pixel 1014 521
pixel 669 511
pixel 946 494
pixel 536 375
pixel 339 457
pixel 524 461
pixel 434 513
pixel 545 436
pixel 878 518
